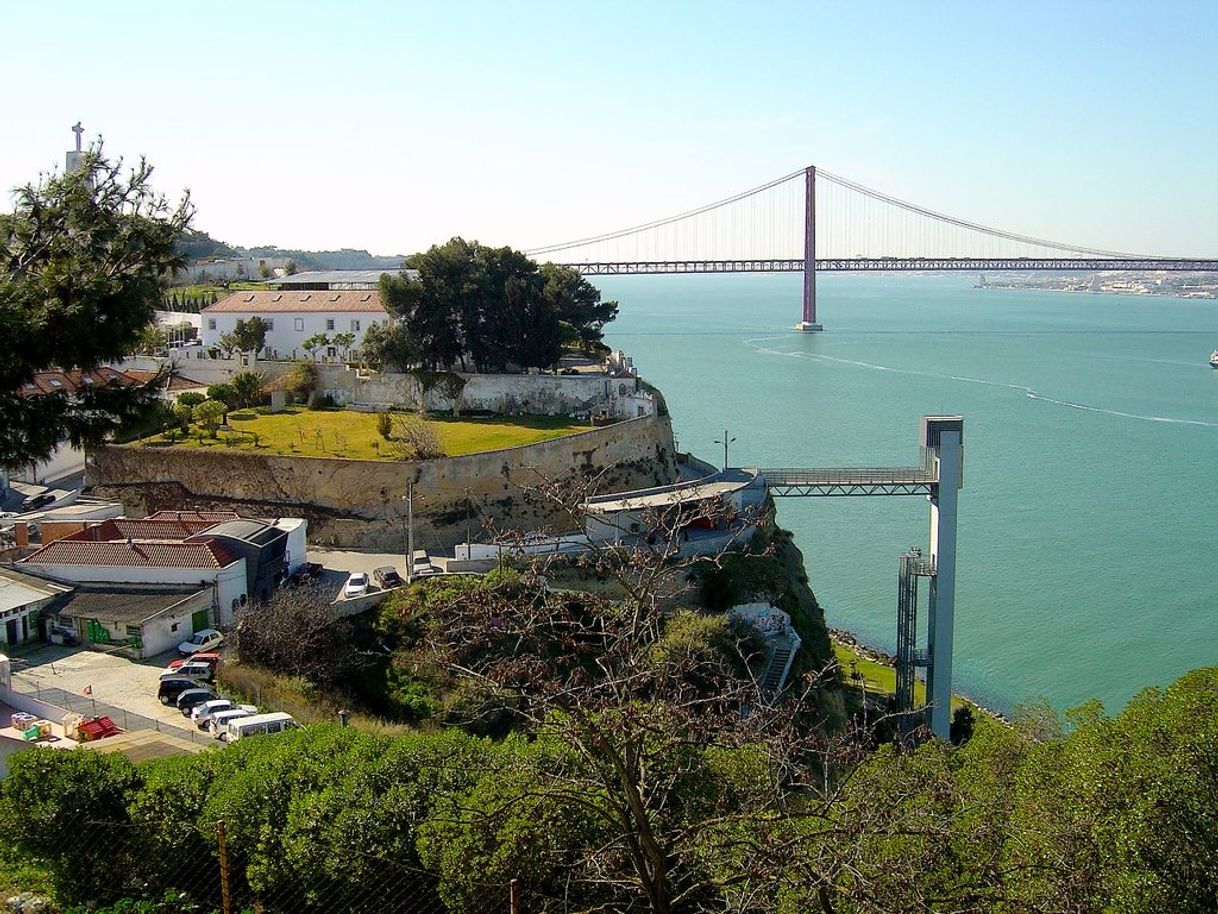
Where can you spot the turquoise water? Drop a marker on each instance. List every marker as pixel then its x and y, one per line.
pixel 1089 518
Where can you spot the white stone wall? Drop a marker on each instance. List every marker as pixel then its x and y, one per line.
pixel 506 394
pixel 285 339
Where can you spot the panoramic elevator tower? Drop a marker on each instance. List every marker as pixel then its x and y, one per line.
pixel 942 440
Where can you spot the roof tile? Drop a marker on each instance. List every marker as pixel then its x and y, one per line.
pixel 292 302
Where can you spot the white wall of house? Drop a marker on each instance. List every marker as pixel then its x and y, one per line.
pixel 229 581
pixel 285 339
pixel 169 629
pixel 297 546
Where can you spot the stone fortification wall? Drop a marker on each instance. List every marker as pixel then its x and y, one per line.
pixel 358 503
pixel 623 397
pixel 505 394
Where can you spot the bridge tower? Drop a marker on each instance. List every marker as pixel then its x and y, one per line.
pixel 809 323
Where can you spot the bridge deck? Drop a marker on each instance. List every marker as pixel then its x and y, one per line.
pixel 894 264
pixel 837 481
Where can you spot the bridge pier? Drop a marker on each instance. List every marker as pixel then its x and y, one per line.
pixel 809 323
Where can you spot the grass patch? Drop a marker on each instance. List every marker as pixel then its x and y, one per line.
pixel 296 696
pixel 877 678
pixel 347 433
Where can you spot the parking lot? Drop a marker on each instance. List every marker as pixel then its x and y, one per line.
pixel 129 685
pixel 339 564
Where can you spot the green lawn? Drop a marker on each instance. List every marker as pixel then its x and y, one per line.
pixel 878 678
pixel 346 433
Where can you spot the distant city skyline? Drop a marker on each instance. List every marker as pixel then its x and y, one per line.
pixel 391 127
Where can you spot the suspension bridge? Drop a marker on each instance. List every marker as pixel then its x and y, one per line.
pixel 813 221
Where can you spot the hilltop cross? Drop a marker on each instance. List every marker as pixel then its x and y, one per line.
pixel 78 130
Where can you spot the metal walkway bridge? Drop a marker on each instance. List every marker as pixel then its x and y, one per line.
pixel 813 221
pixel 784 482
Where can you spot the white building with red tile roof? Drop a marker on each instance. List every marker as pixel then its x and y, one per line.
pixel 130 561
pixel 294 316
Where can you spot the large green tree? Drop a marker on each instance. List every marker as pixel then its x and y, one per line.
pixel 492 307
pixel 578 305
pixel 84 258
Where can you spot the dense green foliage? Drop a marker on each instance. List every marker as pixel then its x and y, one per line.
pixel 85 257
pixel 492 307
pixel 1097 813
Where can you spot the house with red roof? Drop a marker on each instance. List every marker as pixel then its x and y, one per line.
pixel 295 315
pixel 143 595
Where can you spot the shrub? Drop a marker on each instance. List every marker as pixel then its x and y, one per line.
pixel 210 415
pixel 415 438
pixel 191 398
pixel 384 424
pixel 248 388
pixel 225 393
pixel 301 381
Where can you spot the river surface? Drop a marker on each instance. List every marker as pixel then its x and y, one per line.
pixel 1088 552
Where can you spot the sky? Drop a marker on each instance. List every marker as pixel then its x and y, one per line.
pixel 392 126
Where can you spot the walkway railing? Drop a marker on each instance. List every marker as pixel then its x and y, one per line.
pixel 792 481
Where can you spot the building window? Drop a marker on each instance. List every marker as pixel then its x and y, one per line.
pixel 298 323
pixel 211 323
pixel 355 326
pixel 174 627
pixel 134 631
pixel 329 325
pixel 270 324
pixel 331 352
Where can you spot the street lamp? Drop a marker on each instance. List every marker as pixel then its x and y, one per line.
pixel 725 442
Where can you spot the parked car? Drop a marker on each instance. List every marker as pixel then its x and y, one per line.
pixel 203 640
pixel 191 697
pixel 357 585
pixel 34 502
pixel 387 577
pixel 217 724
pixel 201 713
pixel 211 658
pixel 201 671
pixel 171 687
pixel 421 564
pixel 257 724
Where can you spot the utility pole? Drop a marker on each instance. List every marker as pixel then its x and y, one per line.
pixel 468 507
pixel 409 499
pixel 226 904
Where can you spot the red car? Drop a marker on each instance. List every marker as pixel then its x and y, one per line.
pixel 209 657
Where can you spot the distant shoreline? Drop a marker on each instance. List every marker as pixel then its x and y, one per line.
pixel 1010 288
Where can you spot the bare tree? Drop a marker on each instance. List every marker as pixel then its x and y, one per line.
pixel 699 783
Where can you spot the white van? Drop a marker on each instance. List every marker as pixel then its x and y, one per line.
pixel 217 724
pixel 259 723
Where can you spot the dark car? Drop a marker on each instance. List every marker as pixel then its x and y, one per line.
pixel 387 577
pixel 169 689
pixel 34 502
pixel 192 697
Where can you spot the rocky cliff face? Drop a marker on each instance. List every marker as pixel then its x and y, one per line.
pixel 358 503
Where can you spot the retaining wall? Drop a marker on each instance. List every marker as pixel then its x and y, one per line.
pixel 358 503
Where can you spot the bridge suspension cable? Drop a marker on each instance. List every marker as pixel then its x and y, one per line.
pixel 971 226
pixel 668 220
pixel 853 223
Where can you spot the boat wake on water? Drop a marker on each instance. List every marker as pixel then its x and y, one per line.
pixel 1028 392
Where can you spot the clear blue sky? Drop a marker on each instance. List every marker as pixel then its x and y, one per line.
pixel 390 126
